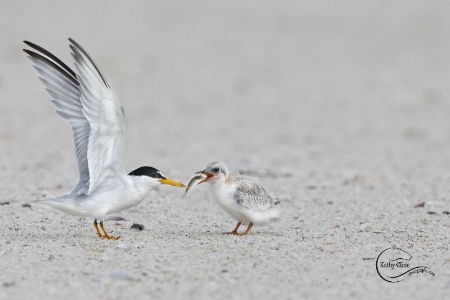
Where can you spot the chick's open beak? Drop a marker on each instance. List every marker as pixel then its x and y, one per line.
pixel 208 176
pixel 171 182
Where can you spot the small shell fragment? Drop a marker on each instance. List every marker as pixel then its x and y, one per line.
pixel 194 181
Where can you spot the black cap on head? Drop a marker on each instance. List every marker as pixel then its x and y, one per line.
pixel 147 171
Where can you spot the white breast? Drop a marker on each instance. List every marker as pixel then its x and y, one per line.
pixel 224 195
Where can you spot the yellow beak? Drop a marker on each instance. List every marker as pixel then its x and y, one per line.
pixel 171 182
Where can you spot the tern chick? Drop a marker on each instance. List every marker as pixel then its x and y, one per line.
pixel 242 198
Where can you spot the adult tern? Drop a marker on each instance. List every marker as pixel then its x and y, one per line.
pixel 86 101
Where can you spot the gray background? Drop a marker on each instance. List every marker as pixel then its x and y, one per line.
pixel 339 108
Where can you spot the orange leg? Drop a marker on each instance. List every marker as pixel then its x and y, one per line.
pixel 107 236
pixel 235 229
pixel 246 231
pixel 96 228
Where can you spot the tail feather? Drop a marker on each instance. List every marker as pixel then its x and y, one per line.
pixel 6 201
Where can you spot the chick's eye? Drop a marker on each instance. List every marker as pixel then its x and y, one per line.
pixel 215 170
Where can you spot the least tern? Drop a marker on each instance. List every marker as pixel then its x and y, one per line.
pixel 86 101
pixel 241 197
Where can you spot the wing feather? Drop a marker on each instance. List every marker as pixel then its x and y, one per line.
pixel 63 87
pixel 103 111
pixel 86 101
pixel 250 195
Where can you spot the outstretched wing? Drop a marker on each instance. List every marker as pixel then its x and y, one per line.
pixel 87 103
pixel 250 195
pixel 105 116
pixel 64 88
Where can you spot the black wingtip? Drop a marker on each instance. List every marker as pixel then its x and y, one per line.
pixel 51 56
pixel 31 53
pixel 51 61
pixel 32 45
pixel 80 48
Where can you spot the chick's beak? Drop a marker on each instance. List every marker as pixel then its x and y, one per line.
pixel 208 176
pixel 171 182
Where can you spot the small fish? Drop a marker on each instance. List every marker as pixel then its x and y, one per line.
pixel 193 182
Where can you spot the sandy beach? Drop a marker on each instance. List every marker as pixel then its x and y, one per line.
pixel 340 109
